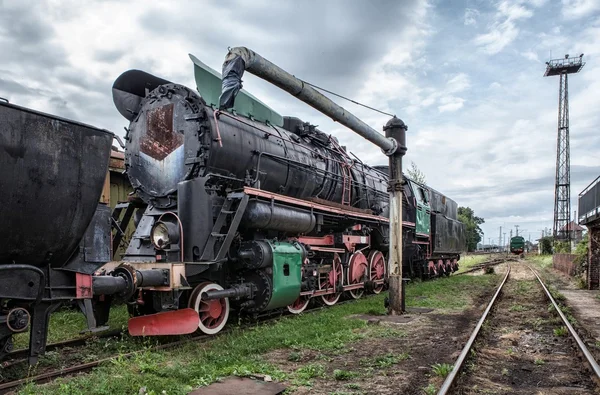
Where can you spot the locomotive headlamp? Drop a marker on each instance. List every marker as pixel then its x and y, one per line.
pixel 164 234
pixel 160 235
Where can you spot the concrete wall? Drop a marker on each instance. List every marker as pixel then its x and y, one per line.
pixel 564 263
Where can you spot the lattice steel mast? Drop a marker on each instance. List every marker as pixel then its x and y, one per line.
pixel 562 187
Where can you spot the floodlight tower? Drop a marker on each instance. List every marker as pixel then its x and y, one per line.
pixel 562 185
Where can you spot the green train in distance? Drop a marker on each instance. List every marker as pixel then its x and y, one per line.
pixel 517 245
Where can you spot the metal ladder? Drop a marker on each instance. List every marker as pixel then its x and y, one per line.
pixel 225 226
pixel 346 185
pixel 121 226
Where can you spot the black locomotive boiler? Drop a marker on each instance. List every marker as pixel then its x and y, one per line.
pixel 251 211
pixel 241 209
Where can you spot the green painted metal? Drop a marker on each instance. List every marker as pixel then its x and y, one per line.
pixel 421 194
pixel 208 83
pixel 287 273
pixel 423 219
pixel 517 242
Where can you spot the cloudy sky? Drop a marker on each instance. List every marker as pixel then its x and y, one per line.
pixel 465 75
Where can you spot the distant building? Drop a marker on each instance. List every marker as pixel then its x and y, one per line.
pixel 576 231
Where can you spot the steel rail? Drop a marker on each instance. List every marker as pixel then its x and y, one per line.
pixel 465 351
pixel 588 356
pixel 267 318
pixel 18 355
pixel 484 265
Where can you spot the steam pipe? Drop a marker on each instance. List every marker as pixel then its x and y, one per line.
pixel 266 70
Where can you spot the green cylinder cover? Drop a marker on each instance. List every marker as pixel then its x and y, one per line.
pixel 287 273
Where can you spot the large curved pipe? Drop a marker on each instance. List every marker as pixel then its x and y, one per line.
pixel 266 70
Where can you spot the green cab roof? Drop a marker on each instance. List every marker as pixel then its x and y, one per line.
pixel 208 83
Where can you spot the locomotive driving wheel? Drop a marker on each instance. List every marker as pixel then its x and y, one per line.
pixel 333 279
pixel 357 273
pixel 214 313
pixel 376 269
pixel 299 305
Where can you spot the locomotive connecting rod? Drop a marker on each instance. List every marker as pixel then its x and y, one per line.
pixel 393 144
pixel 266 70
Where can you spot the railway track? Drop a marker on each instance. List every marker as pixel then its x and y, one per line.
pixel 486 264
pixel 20 356
pixel 47 376
pixel 543 361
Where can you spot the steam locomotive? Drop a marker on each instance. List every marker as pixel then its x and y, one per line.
pixel 241 209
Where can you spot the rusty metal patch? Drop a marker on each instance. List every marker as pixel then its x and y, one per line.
pixel 239 385
pixel 160 139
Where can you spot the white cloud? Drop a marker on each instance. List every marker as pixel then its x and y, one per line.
pixel 464 110
pixel 503 30
pixel 531 56
pixel 470 17
pixel 460 82
pixel 575 9
pixel 450 104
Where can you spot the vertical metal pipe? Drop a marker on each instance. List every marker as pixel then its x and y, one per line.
pixel 396 129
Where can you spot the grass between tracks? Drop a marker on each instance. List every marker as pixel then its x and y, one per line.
pixel 468 261
pixel 68 323
pixel 241 352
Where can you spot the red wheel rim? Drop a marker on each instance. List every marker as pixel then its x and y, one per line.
pixel 299 305
pixel 376 269
pixel 357 273
pixel 213 314
pixel 331 280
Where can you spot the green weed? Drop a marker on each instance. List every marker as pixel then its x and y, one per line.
pixel 442 369
pixel 341 375
pixel 562 331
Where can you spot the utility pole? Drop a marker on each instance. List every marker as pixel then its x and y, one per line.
pixel 517 228
pixel 562 183
pixel 504 246
pixel 500 239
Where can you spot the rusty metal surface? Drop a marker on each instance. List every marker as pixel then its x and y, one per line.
pixel 51 172
pixel 239 385
pixel 160 139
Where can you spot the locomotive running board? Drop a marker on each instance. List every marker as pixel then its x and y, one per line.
pixel 178 322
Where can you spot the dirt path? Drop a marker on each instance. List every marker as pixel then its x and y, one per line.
pixel 397 363
pixel 523 349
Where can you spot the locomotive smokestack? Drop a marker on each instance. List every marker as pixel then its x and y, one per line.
pixel 393 144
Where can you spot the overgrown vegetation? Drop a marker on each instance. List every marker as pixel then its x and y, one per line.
pixel 415 174
pixel 562 331
pixel 442 369
pixel 545 245
pixel 241 352
pixel 68 323
pixel 473 232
